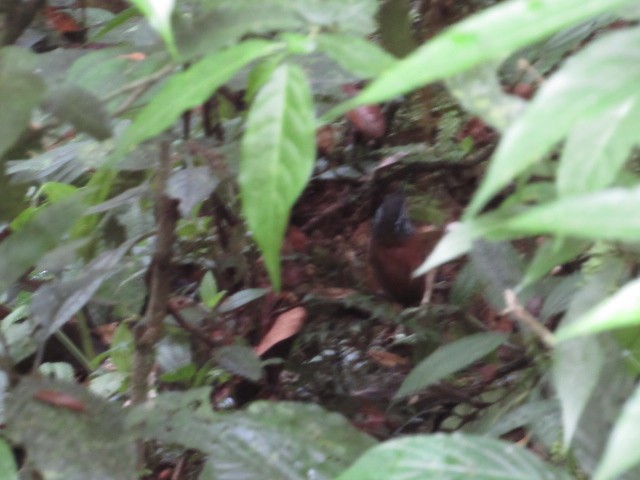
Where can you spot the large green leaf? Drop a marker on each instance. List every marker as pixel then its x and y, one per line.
pixel 596 79
pixel 620 310
pixel 271 440
pixel 68 432
pixel 23 248
pixel 450 457
pixel 187 89
pixel 7 462
pixel 577 364
pixel 449 359
pixel 355 54
pixel 621 452
pixel 278 151
pixel 20 93
pixel 489 35
pixel 597 149
pixel 608 214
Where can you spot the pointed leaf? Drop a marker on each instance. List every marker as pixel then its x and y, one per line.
pixel 278 150
pixel 605 73
pixel 449 359
pixel 620 310
pixel 597 149
pixel 356 55
pixel 188 89
pixel 577 364
pixel 488 35
pixel 459 239
pixel 158 12
pixel 621 452
pixel 241 298
pixel 608 215
pixel 208 291
pixel 56 302
pixel 450 457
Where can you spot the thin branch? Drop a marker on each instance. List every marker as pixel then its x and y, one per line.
pixel 531 322
pixel 145 82
pixel 150 330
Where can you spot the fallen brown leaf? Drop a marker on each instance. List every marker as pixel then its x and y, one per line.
pixel 286 325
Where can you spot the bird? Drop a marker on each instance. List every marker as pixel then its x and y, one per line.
pixel 396 249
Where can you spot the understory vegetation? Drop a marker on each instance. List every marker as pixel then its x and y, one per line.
pixel 188 192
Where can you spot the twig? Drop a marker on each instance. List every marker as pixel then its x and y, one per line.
pixel 521 314
pixel 141 82
pixel 150 331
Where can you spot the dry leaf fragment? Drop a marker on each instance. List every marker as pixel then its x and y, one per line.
pixel 286 325
pixel 60 399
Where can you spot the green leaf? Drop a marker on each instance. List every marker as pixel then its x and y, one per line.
pixel 577 364
pixel 621 452
pixel 56 302
pixel 122 348
pixel 499 265
pixel 450 457
pixel 597 78
pixel 208 291
pixel 488 35
pixel 22 249
pixel 459 239
pixel 80 108
pixel 449 359
pixel 356 55
pixel 277 155
pixel 268 440
pixel 56 191
pixel 20 93
pixel 620 310
pixel 241 298
pixel 188 89
pixel 118 20
pixel 39 410
pixel 480 92
pixel 597 149
pixel 456 242
pixel 158 13
pixel 260 74
pixel 7 462
pixel 240 360
pixel 607 215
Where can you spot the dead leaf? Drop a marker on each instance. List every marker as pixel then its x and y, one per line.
pixel 60 399
pixel 387 359
pixel 286 325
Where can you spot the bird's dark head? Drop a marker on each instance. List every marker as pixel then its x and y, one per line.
pixel 391 221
